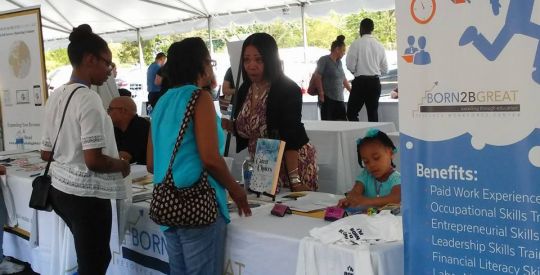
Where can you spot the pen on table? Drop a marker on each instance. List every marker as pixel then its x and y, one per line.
pixel 35 175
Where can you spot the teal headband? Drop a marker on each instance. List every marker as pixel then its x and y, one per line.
pixel 373 133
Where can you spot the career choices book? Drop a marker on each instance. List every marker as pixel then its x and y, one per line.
pixel 266 165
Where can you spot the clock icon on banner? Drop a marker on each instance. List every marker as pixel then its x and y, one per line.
pixel 423 11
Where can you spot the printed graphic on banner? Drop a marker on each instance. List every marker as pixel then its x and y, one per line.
pixel 460 103
pixel 143 249
pixel 518 21
pixel 470 137
pixel 417 56
pixel 22 74
pixel 422 11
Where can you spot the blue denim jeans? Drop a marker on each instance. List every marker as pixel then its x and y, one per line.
pixel 197 250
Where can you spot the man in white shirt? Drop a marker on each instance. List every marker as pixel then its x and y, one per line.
pixel 366 60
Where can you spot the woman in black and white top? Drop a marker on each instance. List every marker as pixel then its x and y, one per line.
pixel 87 172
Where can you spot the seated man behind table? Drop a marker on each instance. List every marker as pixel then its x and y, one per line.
pixel 130 130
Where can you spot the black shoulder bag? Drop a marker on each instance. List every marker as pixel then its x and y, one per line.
pixel 42 184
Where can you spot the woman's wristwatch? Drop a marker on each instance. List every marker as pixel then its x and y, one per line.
pixel 295 180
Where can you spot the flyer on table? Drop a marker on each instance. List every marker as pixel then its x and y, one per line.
pixel 22 78
pixel 470 143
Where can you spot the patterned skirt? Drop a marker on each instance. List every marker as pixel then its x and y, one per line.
pixel 307 168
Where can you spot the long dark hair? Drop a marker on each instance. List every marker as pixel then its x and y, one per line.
pixel 267 47
pixel 185 61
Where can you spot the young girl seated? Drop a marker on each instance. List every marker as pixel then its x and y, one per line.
pixel 378 184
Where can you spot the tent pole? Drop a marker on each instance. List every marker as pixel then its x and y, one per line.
pixel 210 35
pixel 304 32
pixel 141 54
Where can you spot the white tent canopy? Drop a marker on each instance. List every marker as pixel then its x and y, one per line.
pixel 121 20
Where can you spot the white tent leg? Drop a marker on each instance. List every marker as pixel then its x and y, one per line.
pixel 142 65
pixel 304 32
pixel 210 35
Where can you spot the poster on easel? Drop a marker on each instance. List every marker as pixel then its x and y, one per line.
pixel 470 143
pixel 23 89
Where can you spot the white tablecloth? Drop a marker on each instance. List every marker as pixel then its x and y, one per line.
pixel 46 242
pixel 335 142
pixel 261 244
pixel 266 244
pixel 388 110
pixel 50 247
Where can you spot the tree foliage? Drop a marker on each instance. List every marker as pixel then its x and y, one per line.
pixel 56 58
pixel 320 33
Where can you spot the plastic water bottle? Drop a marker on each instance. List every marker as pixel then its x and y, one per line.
pixel 229 110
pixel 19 140
pixel 247 172
pixel 149 109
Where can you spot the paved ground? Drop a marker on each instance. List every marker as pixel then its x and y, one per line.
pixel 27 271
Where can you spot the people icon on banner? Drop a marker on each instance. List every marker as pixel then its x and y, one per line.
pixel 518 21
pixel 422 57
pixel 411 49
pixel 417 56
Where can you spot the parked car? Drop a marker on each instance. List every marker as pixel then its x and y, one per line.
pixel 58 77
pixel 301 72
pixel 133 80
pixel 389 82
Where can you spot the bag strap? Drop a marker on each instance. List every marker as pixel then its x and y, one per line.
pixel 190 112
pixel 61 122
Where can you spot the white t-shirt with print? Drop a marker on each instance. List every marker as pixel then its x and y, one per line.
pixel 86 126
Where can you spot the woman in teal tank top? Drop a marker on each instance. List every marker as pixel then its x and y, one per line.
pixel 193 250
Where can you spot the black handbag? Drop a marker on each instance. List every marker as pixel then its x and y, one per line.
pixel 41 185
pixel 190 206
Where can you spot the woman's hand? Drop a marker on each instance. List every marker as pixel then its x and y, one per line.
pixel 126 168
pixel 344 203
pixel 240 199
pixel 300 187
pixel 227 124
pixel 125 156
pixel 321 97
pixel 350 201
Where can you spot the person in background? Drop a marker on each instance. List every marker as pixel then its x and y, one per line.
pixel 130 130
pixel 270 106
pixel 124 92
pixel 6 267
pixel 152 78
pixel 331 80
pixel 193 250
pixel 395 93
pixel 108 90
pixel 379 183
pixel 86 172
pixel 366 60
pixel 228 90
pixel 162 81
pixel 114 72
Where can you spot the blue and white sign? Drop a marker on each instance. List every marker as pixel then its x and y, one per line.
pixel 470 143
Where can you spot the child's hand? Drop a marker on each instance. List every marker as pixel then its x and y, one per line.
pixel 344 203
